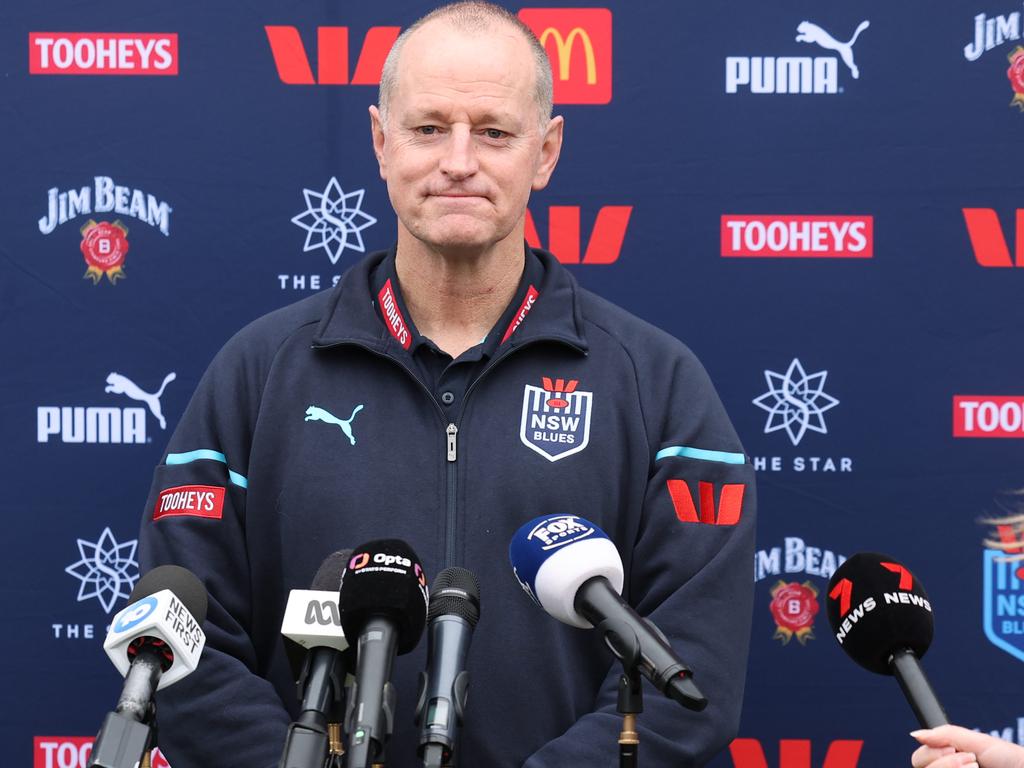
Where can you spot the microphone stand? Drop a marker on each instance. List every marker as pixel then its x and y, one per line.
pixel 631 703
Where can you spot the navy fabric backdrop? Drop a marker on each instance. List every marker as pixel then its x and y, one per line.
pixel 869 355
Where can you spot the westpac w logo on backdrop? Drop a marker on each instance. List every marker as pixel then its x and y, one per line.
pixel 556 418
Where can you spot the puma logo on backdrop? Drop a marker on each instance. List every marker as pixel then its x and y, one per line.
pixel 315 413
pixel 812 33
pixel 122 385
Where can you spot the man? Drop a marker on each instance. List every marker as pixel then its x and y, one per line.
pixel 444 393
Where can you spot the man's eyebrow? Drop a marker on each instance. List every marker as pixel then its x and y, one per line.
pixel 417 115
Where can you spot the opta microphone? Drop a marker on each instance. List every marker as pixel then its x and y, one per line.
pixel 882 618
pixel 154 642
pixel 383 607
pixel 453 613
pixel 315 645
pixel 572 570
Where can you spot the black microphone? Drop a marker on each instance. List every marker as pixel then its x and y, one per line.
pixel 317 651
pixel 572 570
pixel 155 641
pixel 383 607
pixel 882 618
pixel 453 613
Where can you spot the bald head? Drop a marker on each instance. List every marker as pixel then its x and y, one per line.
pixel 473 19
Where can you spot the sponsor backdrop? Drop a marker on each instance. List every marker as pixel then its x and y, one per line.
pixel 822 200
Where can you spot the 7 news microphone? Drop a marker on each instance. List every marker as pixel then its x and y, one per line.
pixel 316 649
pixel 882 618
pixel 453 613
pixel 572 570
pixel 155 641
pixel 383 609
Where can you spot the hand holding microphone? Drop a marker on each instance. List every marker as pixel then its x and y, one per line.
pixel 950 746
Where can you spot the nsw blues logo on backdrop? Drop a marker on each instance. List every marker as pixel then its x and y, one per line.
pixel 1004 602
pixel 556 418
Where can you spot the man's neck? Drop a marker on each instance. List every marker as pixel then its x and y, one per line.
pixel 456 300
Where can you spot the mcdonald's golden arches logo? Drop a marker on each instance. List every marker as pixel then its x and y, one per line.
pixel 579 45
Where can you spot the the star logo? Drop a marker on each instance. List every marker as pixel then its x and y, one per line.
pixel 107 570
pixel 795 402
pixel 333 221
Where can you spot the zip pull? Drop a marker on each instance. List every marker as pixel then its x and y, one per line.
pixel 452 431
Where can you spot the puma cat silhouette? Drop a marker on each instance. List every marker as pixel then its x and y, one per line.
pixel 812 33
pixel 315 413
pixel 122 385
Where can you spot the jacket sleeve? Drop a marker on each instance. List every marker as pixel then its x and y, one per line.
pixel 224 713
pixel 690 573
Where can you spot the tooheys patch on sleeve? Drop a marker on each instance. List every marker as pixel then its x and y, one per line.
pixel 190 500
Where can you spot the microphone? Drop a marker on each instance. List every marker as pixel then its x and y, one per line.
pixel 383 603
pixel 316 649
pixel 571 569
pixel 453 613
pixel 154 642
pixel 882 618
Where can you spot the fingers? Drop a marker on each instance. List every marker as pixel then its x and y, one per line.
pixel 955 736
pixel 942 757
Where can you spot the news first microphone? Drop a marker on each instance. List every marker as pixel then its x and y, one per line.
pixel 452 615
pixel 571 569
pixel 882 618
pixel 154 642
pixel 316 647
pixel 383 608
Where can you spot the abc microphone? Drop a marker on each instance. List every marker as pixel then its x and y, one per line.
pixel 882 618
pixel 315 645
pixel 572 570
pixel 154 642
pixel 383 608
pixel 453 613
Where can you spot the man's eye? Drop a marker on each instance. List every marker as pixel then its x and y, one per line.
pixel 494 133
pixel 427 130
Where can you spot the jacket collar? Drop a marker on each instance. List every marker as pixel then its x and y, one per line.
pixel 354 313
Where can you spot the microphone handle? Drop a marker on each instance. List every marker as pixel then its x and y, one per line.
pixel 371 716
pixel 910 675
pixel 140 684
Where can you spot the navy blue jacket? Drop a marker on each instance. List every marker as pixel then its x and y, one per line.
pixel 637 441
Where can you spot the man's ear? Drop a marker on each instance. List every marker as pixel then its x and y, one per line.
pixel 551 147
pixel 377 133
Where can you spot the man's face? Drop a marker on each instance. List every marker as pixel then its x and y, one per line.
pixel 463 145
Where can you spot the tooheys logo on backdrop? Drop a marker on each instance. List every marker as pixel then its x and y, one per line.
pixel 795 73
pixel 988 416
pixel 102 53
pixel 795 753
pixel 794 605
pixel 1003 576
pixel 988 239
pixel 92 424
pixel 822 237
pixel 578 42
pixel 991 32
pixel 104 244
pixel 796 403
pixel 73 752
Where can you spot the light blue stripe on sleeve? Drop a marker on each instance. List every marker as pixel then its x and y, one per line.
pixel 700 453
pixel 206 453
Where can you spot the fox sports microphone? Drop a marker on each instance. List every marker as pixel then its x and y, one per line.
pixel 453 613
pixel 154 642
pixel 572 570
pixel 882 618
pixel 315 645
pixel 383 608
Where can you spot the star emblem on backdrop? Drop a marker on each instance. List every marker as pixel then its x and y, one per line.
pixel 795 401
pixel 333 220
pixel 107 570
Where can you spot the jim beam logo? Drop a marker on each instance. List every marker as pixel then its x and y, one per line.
pixel 794 607
pixel 556 418
pixel 1003 576
pixel 104 244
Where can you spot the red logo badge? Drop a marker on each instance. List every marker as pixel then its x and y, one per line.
pixel 190 501
pixel 393 319
pixel 988 416
pixel 794 607
pixel 1016 75
pixel 730 502
pixel 524 309
pixel 104 246
pixel 822 237
pixel 578 42
pixel 102 53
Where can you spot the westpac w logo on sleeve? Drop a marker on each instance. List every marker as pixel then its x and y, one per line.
pixel 556 418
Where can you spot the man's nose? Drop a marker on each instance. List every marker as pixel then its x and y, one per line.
pixel 459 160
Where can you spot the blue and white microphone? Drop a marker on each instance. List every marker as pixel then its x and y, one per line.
pixel 572 570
